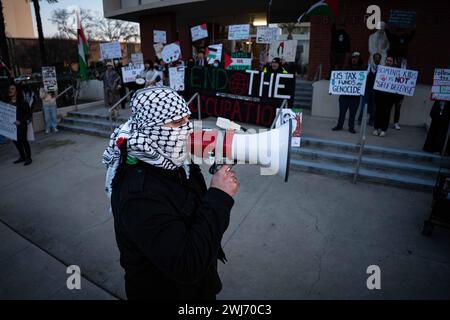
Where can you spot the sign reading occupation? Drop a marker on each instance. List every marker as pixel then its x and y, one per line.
pixel 441 85
pixel 199 32
pixel 238 32
pixel 8 121
pixel 49 79
pixel 285 49
pixel 110 50
pixel 159 36
pixel 129 73
pixel 396 80
pixel 171 52
pixel 348 83
pixel 176 78
pixel 247 96
pixel 266 34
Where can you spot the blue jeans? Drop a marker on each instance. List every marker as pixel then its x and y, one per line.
pixel 49 116
pixel 2 139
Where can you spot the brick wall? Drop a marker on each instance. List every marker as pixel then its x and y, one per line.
pixel 429 49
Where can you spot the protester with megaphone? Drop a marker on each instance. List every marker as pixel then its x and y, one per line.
pixel 168 225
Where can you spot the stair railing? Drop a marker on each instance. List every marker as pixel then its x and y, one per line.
pixel 110 110
pixel 362 141
pixel 199 108
pixel 318 73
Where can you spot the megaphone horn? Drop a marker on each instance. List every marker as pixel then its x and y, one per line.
pixel 269 149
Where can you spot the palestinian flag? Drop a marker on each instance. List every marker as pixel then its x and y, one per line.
pixel 83 51
pixel 321 8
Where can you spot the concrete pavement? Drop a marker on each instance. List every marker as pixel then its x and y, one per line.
pixel 313 237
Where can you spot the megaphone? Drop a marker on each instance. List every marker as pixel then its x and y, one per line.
pixel 269 149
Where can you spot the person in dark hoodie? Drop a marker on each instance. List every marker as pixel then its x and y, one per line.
pixel 168 224
pixel 440 120
pixel 23 115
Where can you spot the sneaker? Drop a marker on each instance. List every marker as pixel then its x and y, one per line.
pixel 28 162
pixel 376 132
pixel 19 160
pixel 55 130
pixel 337 128
pixel 351 130
pixel 47 131
pixel 382 134
pixel 396 126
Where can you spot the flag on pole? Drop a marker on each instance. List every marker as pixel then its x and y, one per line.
pixel 321 8
pixel 83 51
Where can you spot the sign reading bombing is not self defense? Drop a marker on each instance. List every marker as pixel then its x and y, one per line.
pixel 396 80
pixel 348 83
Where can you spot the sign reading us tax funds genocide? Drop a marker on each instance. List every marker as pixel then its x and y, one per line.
pixel 348 83
pixel 8 121
pixel 441 85
pixel 396 80
pixel 248 96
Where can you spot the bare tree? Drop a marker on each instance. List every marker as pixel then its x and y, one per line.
pixel 116 30
pixel 66 22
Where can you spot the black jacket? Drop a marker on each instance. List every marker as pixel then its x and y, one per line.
pixel 23 112
pixel 169 231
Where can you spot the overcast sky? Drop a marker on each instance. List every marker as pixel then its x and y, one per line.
pixel 46 11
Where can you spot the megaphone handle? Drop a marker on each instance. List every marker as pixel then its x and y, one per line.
pixel 215 167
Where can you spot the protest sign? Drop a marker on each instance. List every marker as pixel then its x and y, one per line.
pixel 199 32
pixel 214 52
pixel 441 85
pixel 8 126
pixel 130 72
pixel 285 49
pixel 267 35
pixel 158 49
pixel 159 36
pixel 239 61
pixel 176 78
pixel 171 52
pixel 296 115
pixel 402 19
pixel 137 58
pixel 239 32
pixel 348 83
pixel 396 80
pixel 49 79
pixel 110 50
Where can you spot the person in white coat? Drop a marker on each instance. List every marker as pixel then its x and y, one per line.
pixel 378 42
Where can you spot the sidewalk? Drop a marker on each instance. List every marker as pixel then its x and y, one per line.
pixel 312 237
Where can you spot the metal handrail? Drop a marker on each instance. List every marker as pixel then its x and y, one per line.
pixel 279 112
pixel 64 91
pixel 318 74
pixel 199 108
pixel 110 110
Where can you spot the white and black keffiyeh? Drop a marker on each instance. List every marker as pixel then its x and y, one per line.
pixel 146 137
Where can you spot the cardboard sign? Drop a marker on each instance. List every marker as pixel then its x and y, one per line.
pixel 441 85
pixel 240 61
pixel 199 32
pixel 130 72
pixel 8 126
pixel 159 36
pixel 214 52
pixel 49 79
pixel 296 115
pixel 248 96
pixel 239 32
pixel 176 78
pixel 137 58
pixel 266 34
pixel 171 52
pixel 158 49
pixel 348 83
pixel 110 50
pixel 396 80
pixel 402 19
pixel 285 49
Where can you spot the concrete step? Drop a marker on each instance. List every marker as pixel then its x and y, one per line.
pixel 393 179
pixel 85 130
pixel 89 115
pixel 386 165
pixel 98 123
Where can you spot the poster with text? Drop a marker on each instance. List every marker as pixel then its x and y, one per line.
pixel 110 50
pixel 348 83
pixel 283 49
pixel 8 126
pixel 130 72
pixel 158 49
pixel 239 32
pixel 441 85
pixel 396 80
pixel 267 35
pixel 159 36
pixel 214 52
pixel 199 32
pixel 171 52
pixel 137 58
pixel 176 78
pixel 49 79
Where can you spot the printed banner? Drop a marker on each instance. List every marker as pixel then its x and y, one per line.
pixel 285 49
pixel 49 79
pixel 214 52
pixel 248 96
pixel 199 32
pixel 240 61
pixel 267 35
pixel 396 80
pixel 239 32
pixel 159 36
pixel 348 83
pixel 110 50
pixel 137 58
pixel 130 72
pixel 171 52
pixel 441 85
pixel 176 78
pixel 8 126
